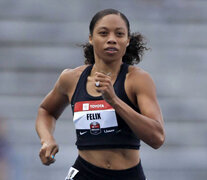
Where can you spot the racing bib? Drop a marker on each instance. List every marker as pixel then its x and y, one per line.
pixel 95 117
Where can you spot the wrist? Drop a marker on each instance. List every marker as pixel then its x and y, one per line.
pixel 114 102
pixel 47 140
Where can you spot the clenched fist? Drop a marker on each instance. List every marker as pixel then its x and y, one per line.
pixel 47 152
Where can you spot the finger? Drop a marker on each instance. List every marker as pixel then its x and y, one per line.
pixel 49 151
pixel 48 162
pixel 43 150
pixel 100 74
pixel 108 74
pixel 45 160
pixel 101 89
pixel 101 85
pixel 42 156
pixel 54 152
pixel 100 79
pixel 52 159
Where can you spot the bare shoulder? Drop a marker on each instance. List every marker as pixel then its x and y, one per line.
pixel 138 73
pixel 139 79
pixel 69 78
pixel 72 73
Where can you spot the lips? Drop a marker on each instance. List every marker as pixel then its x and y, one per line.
pixel 111 49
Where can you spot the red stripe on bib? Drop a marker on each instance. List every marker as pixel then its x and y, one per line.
pixel 92 105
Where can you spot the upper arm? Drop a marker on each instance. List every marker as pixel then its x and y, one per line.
pixel 146 97
pixel 57 99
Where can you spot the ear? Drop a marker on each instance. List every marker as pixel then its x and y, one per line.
pixel 90 39
pixel 128 42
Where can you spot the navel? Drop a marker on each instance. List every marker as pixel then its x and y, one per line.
pixel 108 165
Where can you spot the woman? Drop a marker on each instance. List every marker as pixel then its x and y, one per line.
pixel 114 105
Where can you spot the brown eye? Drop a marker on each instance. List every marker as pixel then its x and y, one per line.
pixel 120 34
pixel 103 33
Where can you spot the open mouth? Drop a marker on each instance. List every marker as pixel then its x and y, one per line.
pixel 111 50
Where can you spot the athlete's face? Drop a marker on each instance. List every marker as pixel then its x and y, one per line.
pixel 109 38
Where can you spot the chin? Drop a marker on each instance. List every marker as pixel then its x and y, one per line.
pixel 111 59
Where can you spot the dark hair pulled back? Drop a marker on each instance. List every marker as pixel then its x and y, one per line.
pixel 134 51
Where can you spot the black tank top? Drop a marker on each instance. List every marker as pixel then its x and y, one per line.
pixel 97 124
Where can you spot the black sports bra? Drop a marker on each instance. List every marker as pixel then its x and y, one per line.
pixel 97 124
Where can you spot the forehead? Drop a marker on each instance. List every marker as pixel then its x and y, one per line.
pixel 111 21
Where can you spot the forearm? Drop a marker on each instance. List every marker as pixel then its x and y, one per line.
pixel 45 125
pixel 147 129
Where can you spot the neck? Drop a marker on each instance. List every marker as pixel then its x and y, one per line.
pixel 109 69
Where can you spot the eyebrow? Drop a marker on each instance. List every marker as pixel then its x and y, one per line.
pixel 103 27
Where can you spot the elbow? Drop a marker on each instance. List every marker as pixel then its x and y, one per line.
pixel 157 140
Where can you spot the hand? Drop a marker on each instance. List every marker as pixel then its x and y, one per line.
pixel 47 152
pixel 105 87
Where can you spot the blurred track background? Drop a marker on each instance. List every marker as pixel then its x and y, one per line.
pixel 38 39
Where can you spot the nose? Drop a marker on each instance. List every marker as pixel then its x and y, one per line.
pixel 111 39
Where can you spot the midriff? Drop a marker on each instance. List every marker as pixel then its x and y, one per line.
pixel 114 159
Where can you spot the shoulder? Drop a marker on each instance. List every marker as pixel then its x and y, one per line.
pixel 138 79
pixel 138 74
pixel 69 78
pixel 75 73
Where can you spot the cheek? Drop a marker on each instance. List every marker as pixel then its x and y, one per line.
pixel 124 47
pixel 98 44
pixel 123 52
pixel 97 47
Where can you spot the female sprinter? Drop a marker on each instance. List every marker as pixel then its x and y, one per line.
pixel 114 105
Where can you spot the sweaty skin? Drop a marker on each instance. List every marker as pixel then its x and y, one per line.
pixel 109 40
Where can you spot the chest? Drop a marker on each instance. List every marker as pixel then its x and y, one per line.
pixel 128 88
pixel 91 88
